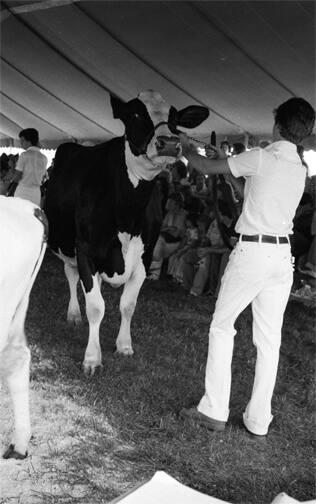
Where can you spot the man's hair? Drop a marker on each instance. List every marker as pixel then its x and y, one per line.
pixel 238 148
pixel 31 135
pixel 295 119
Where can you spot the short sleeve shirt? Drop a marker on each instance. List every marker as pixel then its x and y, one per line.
pixel 32 163
pixel 275 179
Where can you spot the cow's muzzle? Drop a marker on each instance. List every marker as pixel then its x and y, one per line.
pixel 168 146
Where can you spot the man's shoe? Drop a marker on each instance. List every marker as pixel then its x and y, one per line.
pixel 203 420
pixel 252 435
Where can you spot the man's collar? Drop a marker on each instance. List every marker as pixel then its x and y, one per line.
pixel 33 147
pixel 282 145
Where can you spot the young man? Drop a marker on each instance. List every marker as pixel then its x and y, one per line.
pixel 30 168
pixel 260 269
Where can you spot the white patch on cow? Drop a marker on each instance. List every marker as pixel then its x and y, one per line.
pixel 127 306
pixel 140 167
pixel 158 110
pixel 132 250
pixel 157 107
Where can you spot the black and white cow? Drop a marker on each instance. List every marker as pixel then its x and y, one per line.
pixel 22 247
pixel 96 201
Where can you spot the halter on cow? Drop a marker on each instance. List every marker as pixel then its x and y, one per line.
pixel 96 203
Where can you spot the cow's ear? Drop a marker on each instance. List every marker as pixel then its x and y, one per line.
pixel 117 107
pixel 192 116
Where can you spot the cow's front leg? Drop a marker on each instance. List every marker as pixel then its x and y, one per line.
pixel 72 275
pixel 95 313
pixel 127 308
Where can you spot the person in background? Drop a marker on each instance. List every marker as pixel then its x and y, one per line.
pixel 202 265
pixel 31 167
pixel 259 270
pixel 199 188
pixel 306 263
pixel 179 175
pixel 5 174
pixel 154 214
pixel 225 147
pixel 189 240
pixel 171 234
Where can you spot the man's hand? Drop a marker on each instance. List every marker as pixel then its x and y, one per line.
pixel 213 152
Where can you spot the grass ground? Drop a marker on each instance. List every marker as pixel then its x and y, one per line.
pixel 96 438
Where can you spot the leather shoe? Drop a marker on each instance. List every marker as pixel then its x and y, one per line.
pixel 203 420
pixel 252 435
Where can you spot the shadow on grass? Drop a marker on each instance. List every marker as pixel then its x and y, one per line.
pixel 107 433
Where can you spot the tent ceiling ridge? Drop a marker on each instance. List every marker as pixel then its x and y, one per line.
pixel 56 50
pixel 18 126
pixel 35 115
pixel 56 97
pixel 157 71
pixel 239 47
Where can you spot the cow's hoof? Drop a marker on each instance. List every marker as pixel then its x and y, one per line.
pixel 90 369
pixel 124 352
pixel 10 453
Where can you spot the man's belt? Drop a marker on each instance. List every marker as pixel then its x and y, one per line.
pixel 264 238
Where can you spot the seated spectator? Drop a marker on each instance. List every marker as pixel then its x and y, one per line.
pixel 192 174
pixel 171 233
pixel 155 212
pixel 199 188
pixel 301 238
pixel 306 263
pixel 5 174
pixel 225 147
pixel 202 266
pixel 179 175
pixel 191 203
pixel 189 240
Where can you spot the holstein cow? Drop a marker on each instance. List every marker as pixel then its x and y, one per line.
pixel 22 248
pixel 95 204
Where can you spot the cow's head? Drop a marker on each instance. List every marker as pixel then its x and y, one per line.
pixel 151 125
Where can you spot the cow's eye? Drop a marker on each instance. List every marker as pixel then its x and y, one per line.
pixel 136 116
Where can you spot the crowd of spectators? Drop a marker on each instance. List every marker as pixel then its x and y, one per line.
pixel 7 167
pixel 192 219
pixel 197 231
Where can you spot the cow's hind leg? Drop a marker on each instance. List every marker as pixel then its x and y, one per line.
pixel 15 362
pixel 72 275
pixel 127 307
pixel 95 313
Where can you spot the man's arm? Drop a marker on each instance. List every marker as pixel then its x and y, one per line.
pixel 204 165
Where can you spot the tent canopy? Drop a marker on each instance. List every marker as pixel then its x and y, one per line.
pixel 61 60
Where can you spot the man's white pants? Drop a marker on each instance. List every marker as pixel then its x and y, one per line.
pixel 261 274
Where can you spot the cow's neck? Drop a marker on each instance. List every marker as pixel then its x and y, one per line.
pixel 140 167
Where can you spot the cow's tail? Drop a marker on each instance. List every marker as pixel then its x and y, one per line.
pixel 40 215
